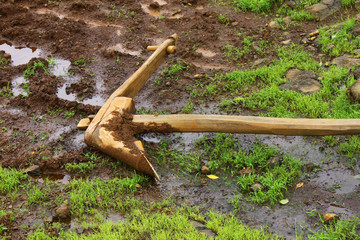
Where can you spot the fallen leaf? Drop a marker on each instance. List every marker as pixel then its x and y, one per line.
pixel 284 201
pixel 357 176
pixel 212 176
pixel 299 185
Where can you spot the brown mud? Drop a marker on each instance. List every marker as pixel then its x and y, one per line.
pixel 40 128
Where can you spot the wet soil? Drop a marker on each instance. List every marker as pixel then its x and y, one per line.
pixel 39 121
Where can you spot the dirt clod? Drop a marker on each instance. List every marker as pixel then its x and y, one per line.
pixel 63 211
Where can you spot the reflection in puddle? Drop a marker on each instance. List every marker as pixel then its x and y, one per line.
pixel 60 178
pixel 205 52
pixel 18 87
pixel 119 48
pixel 19 55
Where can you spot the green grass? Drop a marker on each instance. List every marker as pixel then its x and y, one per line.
pixel 351 149
pixel 37 194
pixel 6 91
pixel 258 89
pixel 82 167
pixel 185 163
pixel 88 193
pixel 338 39
pixel 10 179
pixel 341 230
pixel 347 3
pixel 34 69
pixel 174 70
pixel 163 222
pixel 221 153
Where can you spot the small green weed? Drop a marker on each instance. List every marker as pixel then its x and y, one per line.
pixel 347 3
pixel 173 71
pixel 120 12
pixel 34 69
pixel 82 167
pixel 6 91
pixel 69 114
pixel 351 149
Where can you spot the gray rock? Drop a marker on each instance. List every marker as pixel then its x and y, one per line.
pixel 346 61
pixel 256 186
pixel 260 61
pixel 328 2
pixel 63 211
pixel 286 42
pixel 33 170
pixel 291 4
pixel 197 225
pixel 208 233
pixel 354 92
pixel 356 30
pixel 205 170
pixel 357 4
pixel 301 81
pixel 357 51
pixel 305 40
pixel 356 72
pixel 274 24
pixel 287 20
pixel 319 11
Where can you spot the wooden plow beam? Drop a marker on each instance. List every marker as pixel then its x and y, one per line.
pixel 113 128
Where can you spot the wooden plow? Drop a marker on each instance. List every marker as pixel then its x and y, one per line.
pixel 113 128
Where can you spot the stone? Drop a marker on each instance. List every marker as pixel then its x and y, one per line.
pixel 346 61
pixel 234 24
pixel 245 171
pixel 287 20
pixel 305 40
pixel 314 33
pixel 291 4
pixel 286 42
pixel 357 51
pixel 154 5
pixel 328 2
pixel 208 233
pixel 356 30
pixel 197 225
pixel 205 170
pixel 319 11
pixel 256 186
pixel 199 76
pixel 354 91
pixel 260 61
pixel 356 72
pixel 287 35
pixel 329 218
pixel 301 81
pixel 274 25
pixel 33 170
pixel 63 211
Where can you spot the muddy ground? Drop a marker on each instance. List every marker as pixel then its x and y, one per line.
pixel 39 125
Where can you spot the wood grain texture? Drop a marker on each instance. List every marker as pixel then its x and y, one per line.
pixel 255 125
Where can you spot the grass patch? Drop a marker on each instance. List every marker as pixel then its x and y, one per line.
pixel 35 68
pixel 174 70
pixel 88 193
pixel 185 163
pixel 258 89
pixel 224 152
pixel 342 229
pixel 163 221
pixel 338 39
pixel 351 149
pixel 10 179
pixel 82 167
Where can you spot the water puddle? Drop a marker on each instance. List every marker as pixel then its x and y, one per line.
pixel 339 181
pixel 121 49
pixel 206 53
pixel 19 55
pixel 60 178
pixel 18 86
pixel 91 23
pixel 60 68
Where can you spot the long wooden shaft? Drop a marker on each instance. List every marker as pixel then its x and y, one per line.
pixel 250 124
pixel 135 82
